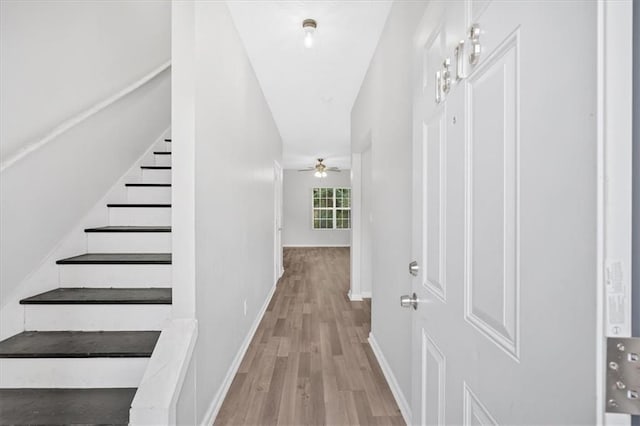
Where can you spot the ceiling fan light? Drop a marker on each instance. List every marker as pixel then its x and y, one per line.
pixel 318 174
pixel 324 174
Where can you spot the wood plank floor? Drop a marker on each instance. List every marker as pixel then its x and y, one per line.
pixel 309 362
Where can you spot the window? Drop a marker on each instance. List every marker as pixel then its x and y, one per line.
pixel 331 208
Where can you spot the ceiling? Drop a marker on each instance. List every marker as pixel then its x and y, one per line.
pixel 311 91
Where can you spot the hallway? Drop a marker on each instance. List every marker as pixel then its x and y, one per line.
pixel 309 361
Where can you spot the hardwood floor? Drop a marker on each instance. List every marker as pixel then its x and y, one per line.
pixel 309 362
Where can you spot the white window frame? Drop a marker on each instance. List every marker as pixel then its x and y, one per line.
pixel 334 209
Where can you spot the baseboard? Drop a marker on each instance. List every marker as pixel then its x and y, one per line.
pixel 404 406
pixel 355 297
pixel 315 245
pixel 214 408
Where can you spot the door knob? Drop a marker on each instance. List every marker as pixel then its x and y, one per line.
pixel 407 301
pixel 414 268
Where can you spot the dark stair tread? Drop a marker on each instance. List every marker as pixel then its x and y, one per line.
pixel 118 258
pixel 66 406
pixel 101 296
pixel 162 152
pixel 130 229
pixel 79 344
pixel 167 140
pixel 156 167
pixel 138 205
pixel 141 228
pixel 148 184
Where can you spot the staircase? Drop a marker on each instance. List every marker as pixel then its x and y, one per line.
pixel 87 343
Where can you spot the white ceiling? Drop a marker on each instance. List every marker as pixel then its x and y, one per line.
pixel 311 91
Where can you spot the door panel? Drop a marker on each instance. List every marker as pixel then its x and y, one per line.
pixel 434 206
pixel 433 382
pixel 491 240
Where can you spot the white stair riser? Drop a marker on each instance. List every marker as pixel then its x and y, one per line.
pixel 149 194
pixel 140 216
pixel 129 242
pixel 71 372
pixel 166 146
pixel 162 160
pixel 115 276
pixel 96 317
pixel 156 175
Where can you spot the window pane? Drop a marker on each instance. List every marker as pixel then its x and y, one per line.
pixel 329 192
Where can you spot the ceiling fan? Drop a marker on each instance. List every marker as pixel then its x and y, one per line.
pixel 320 169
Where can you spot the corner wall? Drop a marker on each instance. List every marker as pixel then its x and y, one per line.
pixel 229 129
pixel 383 109
pixel 297 212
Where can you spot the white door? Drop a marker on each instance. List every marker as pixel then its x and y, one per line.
pixel 277 202
pixel 504 228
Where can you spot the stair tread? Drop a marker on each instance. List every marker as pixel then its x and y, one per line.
pixel 101 296
pixel 79 344
pixel 162 152
pixel 148 184
pixel 167 140
pixel 91 406
pixel 130 229
pixel 118 258
pixel 150 205
pixel 156 167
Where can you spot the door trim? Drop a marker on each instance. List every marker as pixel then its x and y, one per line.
pixel 614 130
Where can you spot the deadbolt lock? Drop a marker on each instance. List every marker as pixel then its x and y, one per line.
pixel 414 268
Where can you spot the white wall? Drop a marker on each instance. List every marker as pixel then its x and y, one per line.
pixel 297 211
pixel 235 142
pixel 382 114
pixel 47 49
pixel 57 58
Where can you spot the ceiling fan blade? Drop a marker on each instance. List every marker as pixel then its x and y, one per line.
pixel 306 170
pixel 333 169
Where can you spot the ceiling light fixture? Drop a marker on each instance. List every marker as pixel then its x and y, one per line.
pixel 309 26
pixel 320 169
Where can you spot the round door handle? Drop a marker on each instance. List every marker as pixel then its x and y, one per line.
pixel 407 301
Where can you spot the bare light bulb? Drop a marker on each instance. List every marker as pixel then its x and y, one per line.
pixel 308 39
pixel 309 27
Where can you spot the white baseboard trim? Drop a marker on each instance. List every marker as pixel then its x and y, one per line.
pixel 404 406
pixel 354 297
pixel 215 405
pixel 316 245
